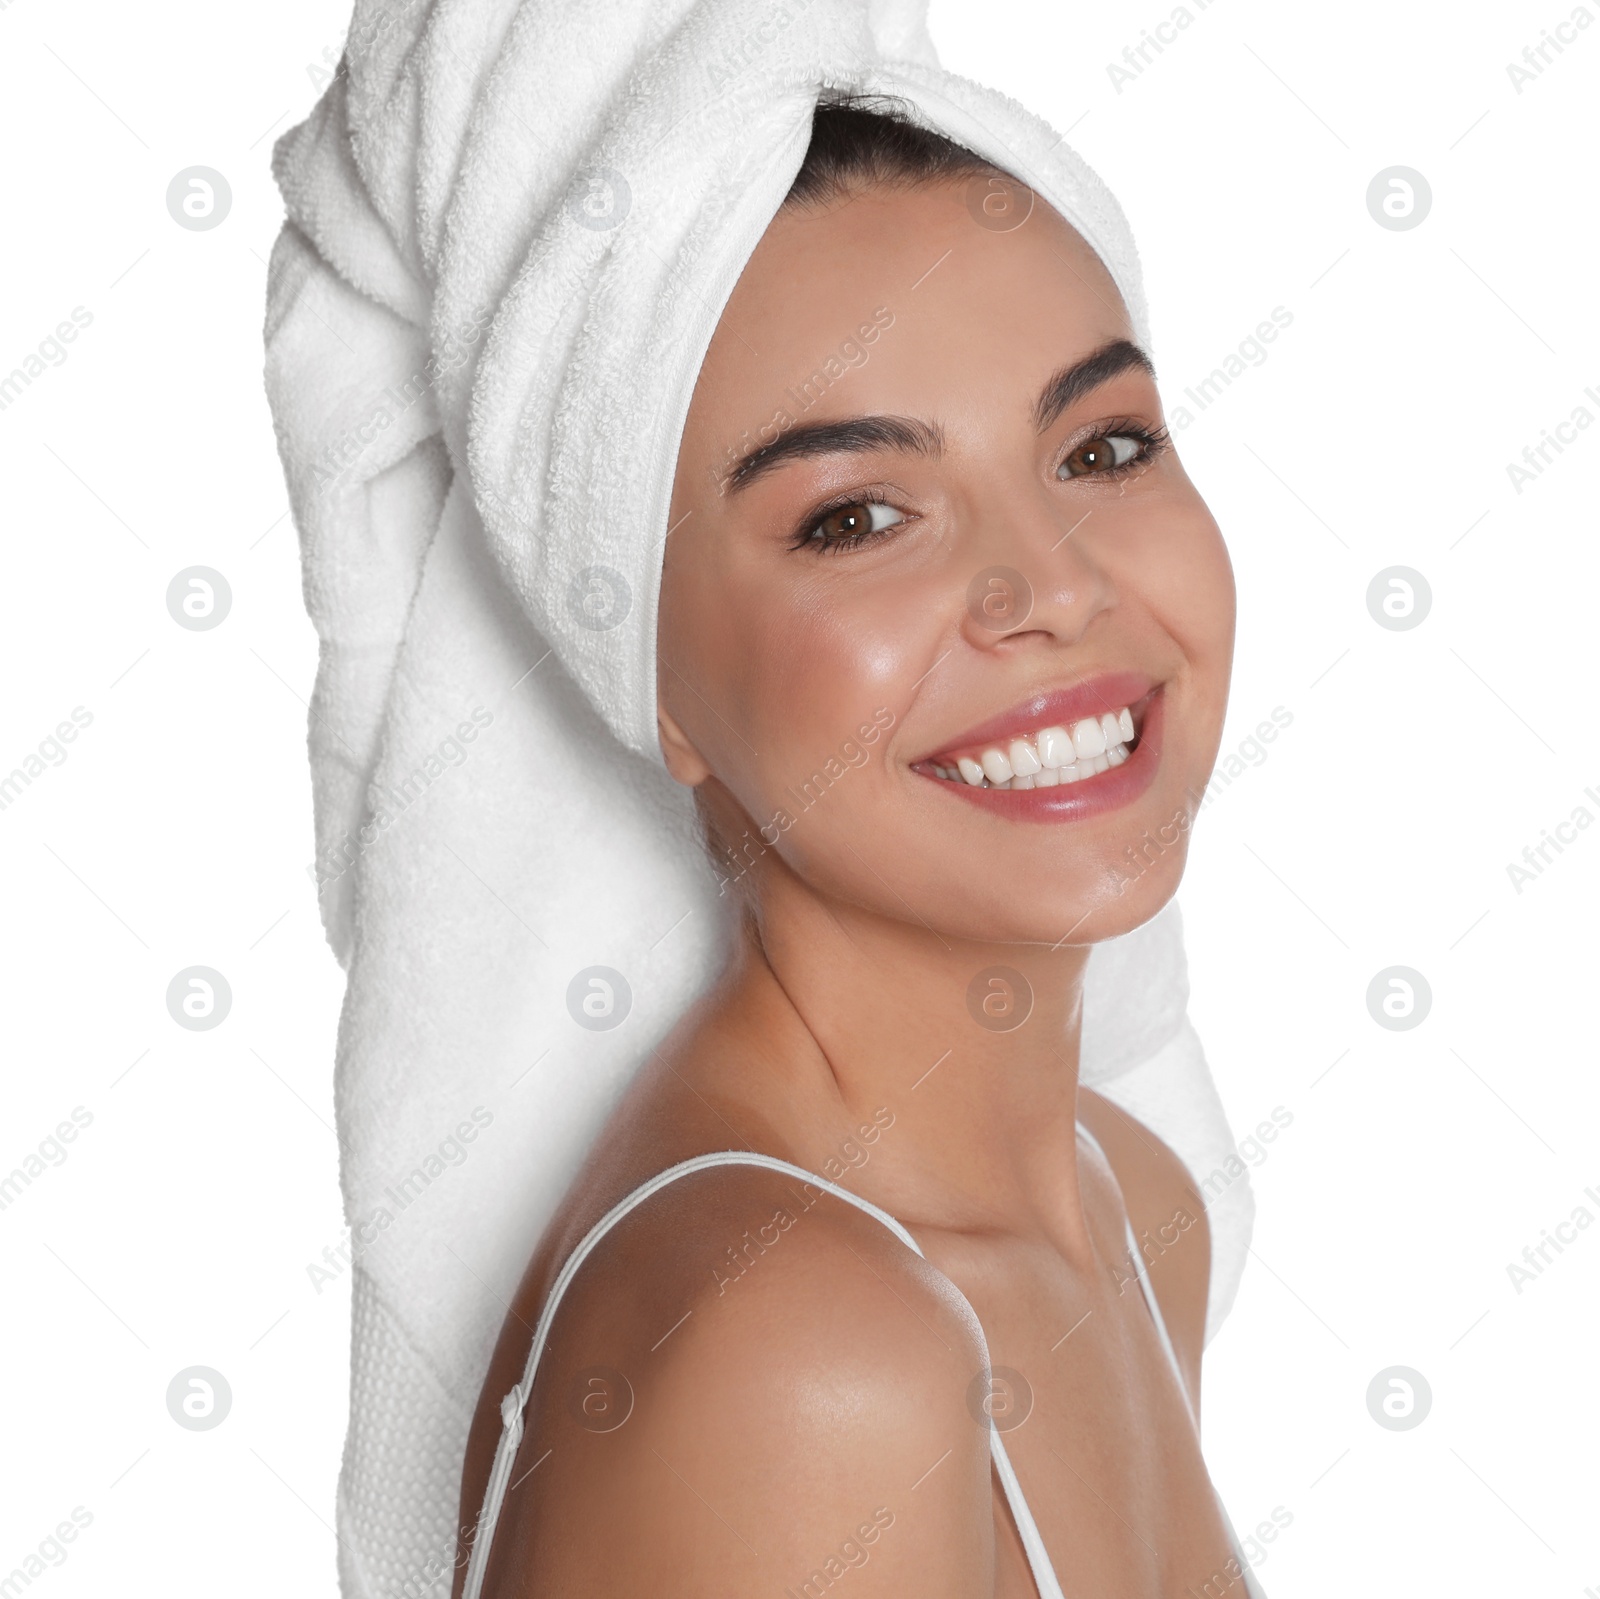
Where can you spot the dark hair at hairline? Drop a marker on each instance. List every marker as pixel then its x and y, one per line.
pixel 864 141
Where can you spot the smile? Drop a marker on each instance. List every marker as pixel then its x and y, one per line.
pixel 1052 755
pixel 1061 755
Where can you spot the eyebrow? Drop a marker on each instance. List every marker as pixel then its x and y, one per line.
pixel 861 434
pixel 855 435
pixel 1071 383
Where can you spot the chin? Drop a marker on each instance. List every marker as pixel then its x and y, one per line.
pixel 1077 912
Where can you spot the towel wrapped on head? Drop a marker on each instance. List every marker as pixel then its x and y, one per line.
pixel 512 226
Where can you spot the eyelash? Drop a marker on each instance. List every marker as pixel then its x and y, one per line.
pixel 1153 443
pixel 803 535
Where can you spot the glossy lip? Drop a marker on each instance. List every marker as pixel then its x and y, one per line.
pixel 1094 696
pixel 1109 790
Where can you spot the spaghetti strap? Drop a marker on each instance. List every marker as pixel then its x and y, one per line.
pixel 514 1406
pixel 1141 1270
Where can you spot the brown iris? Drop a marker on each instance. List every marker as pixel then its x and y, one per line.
pixel 846 522
pixel 1097 455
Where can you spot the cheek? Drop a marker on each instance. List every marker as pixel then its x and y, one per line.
pixel 1182 576
pixel 814 669
pixel 779 671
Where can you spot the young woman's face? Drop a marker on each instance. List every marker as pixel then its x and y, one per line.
pixel 966 544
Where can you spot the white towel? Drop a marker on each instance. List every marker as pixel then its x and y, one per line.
pixel 512 227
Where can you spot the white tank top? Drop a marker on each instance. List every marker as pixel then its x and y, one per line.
pixel 514 1405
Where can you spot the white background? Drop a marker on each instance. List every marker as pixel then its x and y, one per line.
pixel 1376 833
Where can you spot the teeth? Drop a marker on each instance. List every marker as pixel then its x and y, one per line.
pixel 1048 758
pixel 1023 761
pixel 1088 738
pixel 995 767
pixel 1055 748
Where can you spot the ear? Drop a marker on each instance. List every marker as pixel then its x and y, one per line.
pixel 684 761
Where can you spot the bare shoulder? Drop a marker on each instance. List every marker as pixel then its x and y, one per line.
pixel 751 1382
pixel 1168 1216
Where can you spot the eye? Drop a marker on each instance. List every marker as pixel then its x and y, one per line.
pixel 1104 454
pixel 848 525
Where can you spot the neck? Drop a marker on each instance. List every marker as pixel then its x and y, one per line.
pixel 970 1047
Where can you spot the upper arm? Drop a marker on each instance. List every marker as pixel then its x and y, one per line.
pixel 750 1428
pixel 1168 1216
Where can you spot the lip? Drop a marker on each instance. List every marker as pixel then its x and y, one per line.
pixel 1094 696
pixel 1090 796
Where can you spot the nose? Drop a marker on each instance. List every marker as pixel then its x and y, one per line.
pixel 1028 574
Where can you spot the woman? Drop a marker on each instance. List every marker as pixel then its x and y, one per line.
pixel 943 650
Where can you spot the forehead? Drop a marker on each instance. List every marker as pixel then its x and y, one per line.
pixel 953 311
